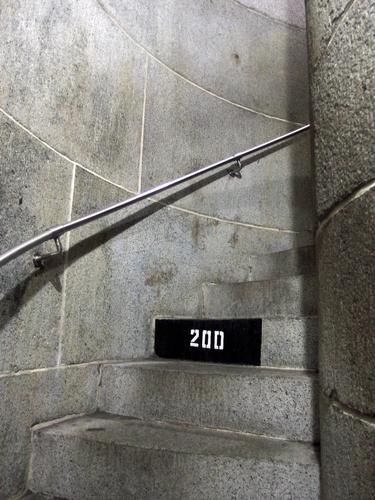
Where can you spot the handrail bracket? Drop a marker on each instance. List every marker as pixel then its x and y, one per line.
pixel 235 171
pixel 40 259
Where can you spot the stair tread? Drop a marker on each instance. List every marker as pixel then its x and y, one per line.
pixel 312 277
pixel 219 369
pixel 275 402
pixel 291 262
pixel 179 438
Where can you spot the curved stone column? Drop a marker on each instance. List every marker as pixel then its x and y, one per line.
pixel 342 69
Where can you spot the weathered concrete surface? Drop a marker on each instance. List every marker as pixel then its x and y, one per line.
pixel 347 341
pixel 343 103
pixel 278 403
pixel 290 12
pixel 30 300
pixel 295 296
pixel 74 79
pixel 28 398
pixel 153 263
pixel 348 440
pixel 281 264
pixel 229 50
pixel 115 457
pixel 186 128
pixel 290 342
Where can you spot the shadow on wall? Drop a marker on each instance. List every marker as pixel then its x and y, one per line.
pixel 306 187
pixel 18 296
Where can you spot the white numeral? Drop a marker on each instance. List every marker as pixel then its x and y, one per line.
pixel 206 339
pixel 193 342
pixel 216 345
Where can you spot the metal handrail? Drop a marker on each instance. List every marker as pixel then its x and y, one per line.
pixel 55 232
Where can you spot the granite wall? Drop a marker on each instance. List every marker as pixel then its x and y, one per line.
pixel 342 70
pixel 100 99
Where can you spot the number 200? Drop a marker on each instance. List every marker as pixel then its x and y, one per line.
pixel 218 339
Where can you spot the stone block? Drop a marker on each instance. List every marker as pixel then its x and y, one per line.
pixel 152 263
pixel 343 102
pixel 278 403
pixel 111 457
pixel 186 129
pixel 348 453
pixel 291 342
pixel 34 192
pixel 295 296
pixel 76 81
pixel 28 398
pixel 291 12
pixel 346 296
pixel 225 48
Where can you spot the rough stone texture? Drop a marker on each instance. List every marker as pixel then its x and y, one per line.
pixel 348 453
pixel 323 17
pixel 291 11
pixel 347 341
pixel 276 403
pixel 186 129
pixel 232 51
pixel 29 495
pixel 281 264
pixel 342 69
pixel 287 297
pixel 110 457
pixel 30 300
pixel 28 398
pixel 291 342
pixel 76 81
pixel 140 272
pixel 343 101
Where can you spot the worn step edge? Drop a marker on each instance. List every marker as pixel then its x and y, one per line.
pixel 219 369
pixel 108 456
pixel 265 401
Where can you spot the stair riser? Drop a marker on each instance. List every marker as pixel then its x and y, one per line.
pixel 287 297
pixel 76 469
pixel 290 342
pixel 286 342
pixel 272 405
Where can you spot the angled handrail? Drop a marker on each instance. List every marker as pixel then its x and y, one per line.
pixel 55 232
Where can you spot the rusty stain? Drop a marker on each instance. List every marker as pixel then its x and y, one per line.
pixel 234 239
pixel 195 230
pixel 162 275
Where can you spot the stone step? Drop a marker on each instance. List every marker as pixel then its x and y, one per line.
pixel 273 402
pixel 291 262
pixel 110 457
pixel 295 296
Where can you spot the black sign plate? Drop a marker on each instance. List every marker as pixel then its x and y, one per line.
pixel 236 341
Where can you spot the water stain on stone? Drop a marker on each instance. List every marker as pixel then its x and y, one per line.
pixel 234 239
